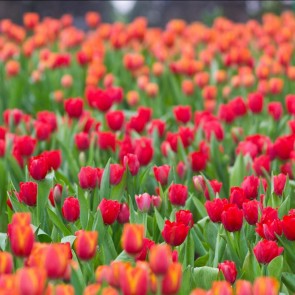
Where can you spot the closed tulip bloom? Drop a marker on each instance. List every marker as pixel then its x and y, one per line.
pixel 229 270
pixel 198 161
pixel 88 177
pixel 38 167
pixel 275 109
pixel 215 208
pixel 30 280
pixel 71 209
pixel 161 173
pixel 216 187
pixel 28 193
pixel 43 130
pixel 115 119
pixel 174 233
pixel 56 261
pixel 266 285
pixel 265 251
pixel 255 102
pixel 290 103
pixel 279 182
pixel 182 114
pixel 21 239
pixel 85 244
pixel 131 161
pixel 134 281
pixel 25 145
pixel 143 202
pixel 21 218
pixel 116 173
pixel 53 158
pixel 106 140
pixel 232 218
pixel 172 279
pixel 186 217
pixel 237 196
pixel 160 258
pixel 82 141
pixel 132 238
pixel 74 107
pixel 178 194
pixel 109 210
pixel 222 287
pixel 288 226
pixel 250 186
pixel 250 210
pixel 261 165
pixel 124 214
pixel 6 263
pixel 144 150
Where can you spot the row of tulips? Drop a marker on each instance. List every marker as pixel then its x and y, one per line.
pixel 139 160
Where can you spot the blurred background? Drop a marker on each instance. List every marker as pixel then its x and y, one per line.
pixel 158 12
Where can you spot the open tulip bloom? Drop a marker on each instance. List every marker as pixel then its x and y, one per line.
pixel 139 160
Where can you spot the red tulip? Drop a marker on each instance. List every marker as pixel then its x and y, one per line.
pixel 261 165
pixel 82 141
pixel 232 218
pixel 279 182
pixel 161 173
pixel 177 194
pixel 74 107
pixel 160 258
pixel 54 159
pixel 116 173
pixel 255 102
pixel 71 209
pixel 182 114
pixel 290 103
pixel 85 244
pixel 215 208
pixel 237 196
pixel 198 161
pixel 43 130
pixel 288 226
pixel 250 186
pixel 265 251
pixel 174 233
pixel 229 270
pixel 275 109
pixel 147 245
pixel 25 145
pixel 48 118
pixel 124 214
pixel 109 210
pixel 106 140
pixel 250 210
pixel 88 177
pixel 131 161
pixel 28 193
pixel 185 217
pixel 38 167
pixel 144 150
pixel 115 120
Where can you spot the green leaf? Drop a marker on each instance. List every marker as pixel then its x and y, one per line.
pixel 202 261
pixel 77 279
pixel 105 187
pixel 84 208
pixel 123 256
pixel 238 171
pixel 204 277
pixel 69 239
pixel 251 268
pixel 285 207
pixel 118 190
pixel 159 219
pixel 275 267
pixel 58 223
pixel 199 206
pixel 42 200
pixel 3 241
pixel 289 280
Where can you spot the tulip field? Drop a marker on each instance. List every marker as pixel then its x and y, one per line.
pixel 139 160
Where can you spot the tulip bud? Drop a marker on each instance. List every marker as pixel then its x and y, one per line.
pixel 88 177
pixel 115 119
pixel 157 201
pixel 229 270
pixel 177 194
pixel 265 251
pixel 174 233
pixel 288 226
pixel 28 193
pixel 160 258
pixel 143 202
pixel 215 208
pixel 147 244
pixel 109 210
pixel 116 173
pixel 232 218
pixel 30 281
pixel 124 214
pixel 172 279
pixel 74 107
pixel 38 167
pixel 237 196
pixel 250 186
pixel 266 285
pixel 185 217
pixel 279 182
pixel 131 161
pixel 250 210
pixel 71 209
pixel 161 173
pixel 82 141
pixel 132 238
pixel 85 244
pixel 6 263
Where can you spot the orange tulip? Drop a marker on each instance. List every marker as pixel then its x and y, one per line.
pixel 132 238
pixel 85 244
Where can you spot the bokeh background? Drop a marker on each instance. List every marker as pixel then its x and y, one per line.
pixel 158 12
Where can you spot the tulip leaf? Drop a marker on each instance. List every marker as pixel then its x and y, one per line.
pixel 58 223
pixel 105 187
pixel 68 239
pixel 117 191
pixel 44 187
pixel 285 207
pixel 123 256
pixel 251 268
pixel 289 281
pixel 77 278
pixel 43 237
pixel 202 261
pixel 186 281
pixel 275 267
pixel 84 208
pixel 238 171
pixel 199 206
pixel 3 241
pixel 204 277
pixel 160 220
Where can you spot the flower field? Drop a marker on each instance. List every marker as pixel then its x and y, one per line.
pixel 138 160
